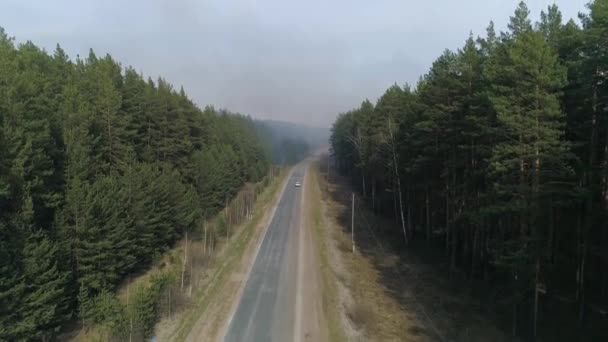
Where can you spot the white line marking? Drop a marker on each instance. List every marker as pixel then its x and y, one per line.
pixel 255 257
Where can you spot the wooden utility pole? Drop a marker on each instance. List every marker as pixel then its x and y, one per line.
pixel 328 160
pixel 352 223
pixel 205 237
pixel 191 276
pixel 185 260
pixel 226 219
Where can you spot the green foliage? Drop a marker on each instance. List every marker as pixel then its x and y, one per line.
pixel 142 309
pixel 100 170
pixel 12 285
pixel 109 313
pixel 501 156
pixel 46 304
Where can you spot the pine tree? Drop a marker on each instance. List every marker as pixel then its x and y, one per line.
pixel 12 285
pixel 102 170
pixel 103 245
pixel 45 306
pixel 550 25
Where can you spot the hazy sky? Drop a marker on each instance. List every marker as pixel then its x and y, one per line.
pixel 302 61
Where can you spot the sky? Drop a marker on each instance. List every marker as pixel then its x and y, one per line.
pixel 302 61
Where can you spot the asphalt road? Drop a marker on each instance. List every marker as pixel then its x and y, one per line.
pixel 267 308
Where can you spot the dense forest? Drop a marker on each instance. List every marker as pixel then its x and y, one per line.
pixel 101 170
pixel 498 157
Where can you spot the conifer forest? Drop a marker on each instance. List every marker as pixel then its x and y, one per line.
pixel 498 159
pixel 101 171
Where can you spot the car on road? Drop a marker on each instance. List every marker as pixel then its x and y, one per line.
pixel 298 184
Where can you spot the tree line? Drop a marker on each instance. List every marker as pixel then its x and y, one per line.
pixel 285 150
pixel 289 143
pixel 499 157
pixel 101 170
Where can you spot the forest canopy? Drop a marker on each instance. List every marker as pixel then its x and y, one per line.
pixel 101 169
pixel 498 156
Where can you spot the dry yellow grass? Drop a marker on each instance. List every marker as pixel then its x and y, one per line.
pixel 331 301
pixel 373 310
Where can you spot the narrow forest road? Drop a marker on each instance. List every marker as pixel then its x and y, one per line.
pixel 281 299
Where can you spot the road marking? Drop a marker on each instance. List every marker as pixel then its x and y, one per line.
pixel 255 256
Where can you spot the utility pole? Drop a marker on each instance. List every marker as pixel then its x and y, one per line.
pixel 352 223
pixel 328 160
pixel 185 260
pixel 205 235
pixel 226 219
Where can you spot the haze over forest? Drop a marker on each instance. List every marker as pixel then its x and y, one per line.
pixel 294 61
pixel 469 201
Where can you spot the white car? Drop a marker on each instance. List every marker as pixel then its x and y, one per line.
pixel 298 184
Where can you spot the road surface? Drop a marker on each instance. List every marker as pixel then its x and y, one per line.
pixel 270 306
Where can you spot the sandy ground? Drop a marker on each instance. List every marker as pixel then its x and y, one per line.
pixel 311 324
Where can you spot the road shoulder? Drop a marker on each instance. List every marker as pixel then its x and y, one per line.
pixel 311 321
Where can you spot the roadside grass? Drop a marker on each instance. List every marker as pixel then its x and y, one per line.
pixel 229 258
pixel 397 295
pixel 331 299
pixel 361 314
pixel 373 311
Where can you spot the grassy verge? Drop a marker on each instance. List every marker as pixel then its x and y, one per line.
pixel 226 262
pixel 331 299
pixel 394 294
pixel 369 311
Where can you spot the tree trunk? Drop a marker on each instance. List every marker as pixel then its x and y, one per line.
pixel 474 252
pixel 396 167
pixel 405 237
pixel 395 211
pixel 410 227
pixel 447 217
pixel 581 309
pixel 226 220
pixel 514 326
pixel 536 292
pixel 551 238
pixel 453 251
pixel 428 215
pixel 363 184
pixel 374 194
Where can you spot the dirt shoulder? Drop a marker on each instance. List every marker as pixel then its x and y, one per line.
pixel 311 322
pixel 333 295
